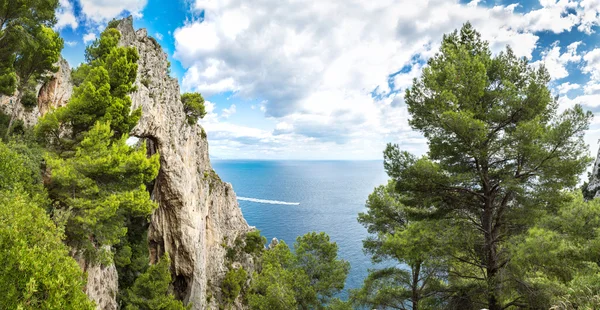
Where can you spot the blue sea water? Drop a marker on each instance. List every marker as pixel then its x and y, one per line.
pixel 286 199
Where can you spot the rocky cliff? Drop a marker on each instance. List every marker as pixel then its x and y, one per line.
pixel 198 216
pixel 51 94
pixel 198 213
pixel 593 187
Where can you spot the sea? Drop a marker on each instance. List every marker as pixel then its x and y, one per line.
pixel 287 199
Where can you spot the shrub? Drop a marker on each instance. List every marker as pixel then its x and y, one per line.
pixel 233 283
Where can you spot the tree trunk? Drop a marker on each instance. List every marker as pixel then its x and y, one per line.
pixel 491 258
pixel 414 298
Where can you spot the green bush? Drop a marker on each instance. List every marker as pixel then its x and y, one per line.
pixel 255 243
pixel 193 106
pixel 233 283
pixel 151 289
pixel 29 100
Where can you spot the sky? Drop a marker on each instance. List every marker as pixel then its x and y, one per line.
pixel 314 79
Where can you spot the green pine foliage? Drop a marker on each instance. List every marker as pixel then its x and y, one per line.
pixel 417 247
pixel 28 45
pixel 500 158
pixel 101 186
pixel 307 279
pixel 102 95
pixel 233 283
pixel 151 290
pixel 193 106
pixel 36 271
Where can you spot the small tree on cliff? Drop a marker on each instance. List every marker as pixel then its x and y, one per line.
pixel 499 153
pixel 193 106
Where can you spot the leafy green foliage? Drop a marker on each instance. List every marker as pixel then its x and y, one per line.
pixel 500 156
pixel 20 169
pixel 24 29
pixel 255 243
pixel 193 106
pixel 415 244
pixel 102 185
pixel 317 257
pixel 101 96
pixel 279 285
pixel 151 290
pixel 305 280
pixel 233 283
pixel 39 56
pixel 131 253
pixel 29 100
pixel 557 258
pixel 36 271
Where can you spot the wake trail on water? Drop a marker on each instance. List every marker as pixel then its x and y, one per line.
pixel 272 202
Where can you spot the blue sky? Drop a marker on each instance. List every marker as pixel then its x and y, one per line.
pixel 301 79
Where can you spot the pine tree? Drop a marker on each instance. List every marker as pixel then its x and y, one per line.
pixel 499 156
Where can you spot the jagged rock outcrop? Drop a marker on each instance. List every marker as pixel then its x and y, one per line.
pixel 52 94
pixel 198 213
pixel 593 187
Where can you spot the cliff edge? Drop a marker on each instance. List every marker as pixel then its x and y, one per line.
pixel 198 213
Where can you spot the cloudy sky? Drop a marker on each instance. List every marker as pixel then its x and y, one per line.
pixel 313 79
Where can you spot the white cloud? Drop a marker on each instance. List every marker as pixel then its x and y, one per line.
pixel 158 36
pixel 592 59
pixel 229 111
pixel 556 62
pixel 100 11
pixel 71 43
pixel 589 13
pixel 65 16
pixel 89 37
pixel 315 63
pixel 566 87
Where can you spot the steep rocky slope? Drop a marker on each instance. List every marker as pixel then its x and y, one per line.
pixel 51 94
pixel 198 213
pixel 198 216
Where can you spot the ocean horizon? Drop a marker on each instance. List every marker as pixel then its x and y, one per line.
pixel 285 199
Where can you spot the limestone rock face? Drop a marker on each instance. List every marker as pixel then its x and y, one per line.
pixel 52 94
pixel 594 183
pixel 57 91
pixel 198 214
pixel 102 284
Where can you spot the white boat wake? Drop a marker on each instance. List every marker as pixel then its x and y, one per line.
pixel 272 202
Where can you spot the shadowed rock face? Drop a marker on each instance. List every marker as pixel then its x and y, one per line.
pixel 197 211
pixel 52 94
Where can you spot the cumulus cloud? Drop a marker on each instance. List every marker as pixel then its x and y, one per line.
pixel 334 71
pixel 70 43
pixel 566 87
pixel 556 62
pixel 89 37
pixel 65 16
pixel 158 36
pixel 99 11
pixel 592 67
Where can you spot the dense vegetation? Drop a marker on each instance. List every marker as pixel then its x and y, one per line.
pixel 490 217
